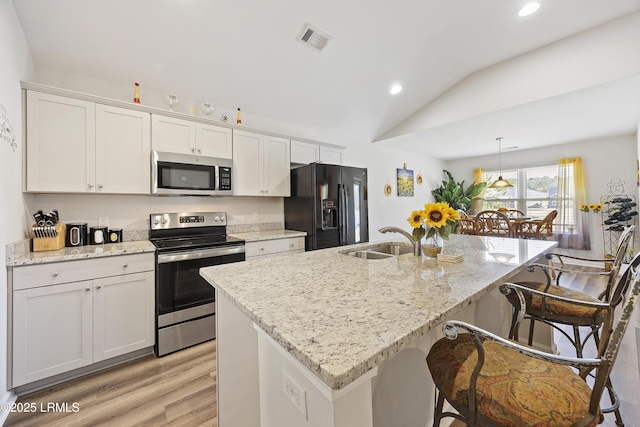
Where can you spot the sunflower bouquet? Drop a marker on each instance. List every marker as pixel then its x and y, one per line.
pixel 435 219
pixel 594 207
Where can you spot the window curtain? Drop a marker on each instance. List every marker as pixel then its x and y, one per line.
pixel 571 194
pixel 476 204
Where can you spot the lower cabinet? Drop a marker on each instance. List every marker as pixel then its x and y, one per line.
pixel 61 327
pixel 275 247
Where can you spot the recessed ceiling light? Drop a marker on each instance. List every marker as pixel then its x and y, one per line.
pixel 528 9
pixel 395 89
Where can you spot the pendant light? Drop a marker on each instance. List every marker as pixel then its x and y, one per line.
pixel 500 183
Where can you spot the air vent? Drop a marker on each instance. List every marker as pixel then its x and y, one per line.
pixel 313 38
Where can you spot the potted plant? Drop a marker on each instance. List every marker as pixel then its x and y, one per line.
pixel 455 194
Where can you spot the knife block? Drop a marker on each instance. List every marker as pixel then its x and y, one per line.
pixel 49 243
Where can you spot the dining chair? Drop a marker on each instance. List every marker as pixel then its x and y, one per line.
pixel 466 224
pixel 555 306
pixel 493 223
pixel 492 381
pixel 538 229
pixel 591 266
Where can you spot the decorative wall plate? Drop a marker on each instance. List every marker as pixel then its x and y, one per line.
pixel 419 179
pixel 388 190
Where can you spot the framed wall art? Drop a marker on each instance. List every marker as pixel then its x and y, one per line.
pixel 405 182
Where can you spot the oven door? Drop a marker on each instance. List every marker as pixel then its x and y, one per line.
pixel 179 285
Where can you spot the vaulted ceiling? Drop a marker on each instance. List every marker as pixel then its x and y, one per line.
pixel 246 54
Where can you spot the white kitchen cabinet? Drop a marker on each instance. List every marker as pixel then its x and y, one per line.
pixel 261 165
pixel 332 156
pixel 106 309
pixel 274 247
pixel 186 137
pixel 123 146
pixel 60 144
pixel 305 153
pixel 76 146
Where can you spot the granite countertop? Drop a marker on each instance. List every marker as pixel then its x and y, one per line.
pixel 340 316
pixel 256 236
pixel 16 259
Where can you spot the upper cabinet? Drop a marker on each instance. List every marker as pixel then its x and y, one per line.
pixel 260 165
pixel 76 146
pixel 305 153
pixel 187 137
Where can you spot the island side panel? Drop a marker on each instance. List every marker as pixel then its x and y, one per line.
pixel 237 367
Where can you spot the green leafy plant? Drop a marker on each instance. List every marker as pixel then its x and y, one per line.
pixel 455 194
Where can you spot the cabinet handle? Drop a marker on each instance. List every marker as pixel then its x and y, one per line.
pixel 262 249
pixel 193 149
pixel 199 151
pixel 87 289
pixel 90 185
pixel 125 265
pixel 98 287
pixel 291 245
pixel 54 274
pixel 99 185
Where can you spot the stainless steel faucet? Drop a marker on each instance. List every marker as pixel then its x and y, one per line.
pixel 417 250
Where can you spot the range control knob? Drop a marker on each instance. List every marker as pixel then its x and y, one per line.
pixel 216 219
pixel 156 220
pixel 164 220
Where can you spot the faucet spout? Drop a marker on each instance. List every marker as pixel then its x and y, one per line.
pixel 417 250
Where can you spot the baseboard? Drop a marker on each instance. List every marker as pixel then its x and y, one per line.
pixel 8 398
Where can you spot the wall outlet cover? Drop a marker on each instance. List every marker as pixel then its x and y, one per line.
pixel 296 394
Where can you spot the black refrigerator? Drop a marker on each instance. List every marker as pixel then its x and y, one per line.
pixel 329 202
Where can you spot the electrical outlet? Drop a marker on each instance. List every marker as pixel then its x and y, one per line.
pixel 296 394
pixel 103 221
pixel 256 216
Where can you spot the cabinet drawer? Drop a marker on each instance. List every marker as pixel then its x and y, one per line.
pixel 268 247
pixel 33 276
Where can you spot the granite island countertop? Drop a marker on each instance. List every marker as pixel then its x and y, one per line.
pixel 341 316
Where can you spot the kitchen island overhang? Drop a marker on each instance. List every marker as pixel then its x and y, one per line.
pixel 340 317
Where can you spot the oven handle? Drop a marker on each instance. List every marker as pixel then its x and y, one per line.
pixel 200 253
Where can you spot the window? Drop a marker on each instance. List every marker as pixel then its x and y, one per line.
pixel 534 191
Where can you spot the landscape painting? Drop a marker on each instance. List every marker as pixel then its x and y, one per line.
pixel 405 182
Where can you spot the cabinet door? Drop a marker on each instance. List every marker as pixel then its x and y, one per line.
pixel 213 141
pixel 331 156
pixel 247 164
pixel 123 150
pixel 60 144
pixel 123 314
pixel 173 135
pixel 304 153
pixel 276 167
pixel 52 330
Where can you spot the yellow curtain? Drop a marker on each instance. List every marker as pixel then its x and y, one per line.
pixel 476 204
pixel 572 229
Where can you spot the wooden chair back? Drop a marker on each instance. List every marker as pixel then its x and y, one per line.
pixel 493 223
pixel 538 229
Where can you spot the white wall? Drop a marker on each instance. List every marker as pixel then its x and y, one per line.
pixel 602 159
pixel 16 65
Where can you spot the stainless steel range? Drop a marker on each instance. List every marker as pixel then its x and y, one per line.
pixel 185 302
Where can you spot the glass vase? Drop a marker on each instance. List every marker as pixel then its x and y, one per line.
pixel 433 246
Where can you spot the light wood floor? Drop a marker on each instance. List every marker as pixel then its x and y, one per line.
pixel 180 389
pixel 175 390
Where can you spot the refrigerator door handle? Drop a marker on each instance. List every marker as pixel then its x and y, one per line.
pixel 342 215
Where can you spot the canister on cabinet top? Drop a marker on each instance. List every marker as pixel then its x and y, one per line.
pixel 115 235
pixel 76 234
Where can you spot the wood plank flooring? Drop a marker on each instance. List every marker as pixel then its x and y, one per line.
pixel 176 390
pixel 180 389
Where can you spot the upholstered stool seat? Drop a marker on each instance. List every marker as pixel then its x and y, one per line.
pixel 512 389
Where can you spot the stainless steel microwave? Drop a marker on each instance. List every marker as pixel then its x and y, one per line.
pixel 174 174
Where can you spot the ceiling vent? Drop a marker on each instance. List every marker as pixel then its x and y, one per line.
pixel 313 38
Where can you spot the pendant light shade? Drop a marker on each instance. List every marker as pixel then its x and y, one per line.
pixel 500 182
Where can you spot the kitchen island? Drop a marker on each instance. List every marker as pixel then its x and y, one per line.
pixel 327 339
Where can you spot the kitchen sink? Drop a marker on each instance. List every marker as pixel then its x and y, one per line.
pixel 368 254
pixel 380 251
pixel 391 248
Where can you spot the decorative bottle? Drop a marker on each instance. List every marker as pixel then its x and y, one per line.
pixel 239 120
pixel 136 94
